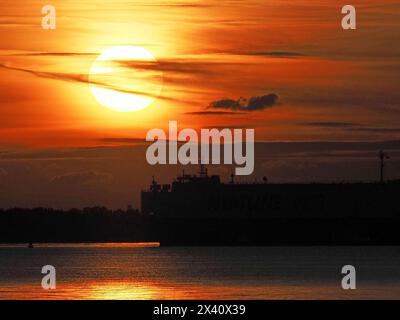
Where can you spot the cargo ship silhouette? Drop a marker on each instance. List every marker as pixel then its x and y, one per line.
pixel 201 210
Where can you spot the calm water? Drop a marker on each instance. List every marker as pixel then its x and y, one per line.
pixel 132 271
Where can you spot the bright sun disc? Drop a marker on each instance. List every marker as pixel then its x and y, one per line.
pixel 125 78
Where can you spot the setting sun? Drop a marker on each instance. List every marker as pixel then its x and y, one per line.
pixel 125 78
pixel 224 153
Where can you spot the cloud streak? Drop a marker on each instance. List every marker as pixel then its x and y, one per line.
pixel 52 54
pixel 81 178
pixel 331 124
pixel 256 103
pixel 216 113
pixel 180 65
pixel 277 54
pixel 355 127
pixel 83 78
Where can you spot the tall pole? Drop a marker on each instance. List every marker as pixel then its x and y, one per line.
pixel 382 156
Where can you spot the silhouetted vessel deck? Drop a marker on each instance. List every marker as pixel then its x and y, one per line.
pixel 201 210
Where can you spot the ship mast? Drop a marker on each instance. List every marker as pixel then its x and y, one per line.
pixel 203 170
pixel 153 186
pixel 383 156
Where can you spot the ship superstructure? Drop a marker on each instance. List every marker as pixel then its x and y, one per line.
pixel 202 195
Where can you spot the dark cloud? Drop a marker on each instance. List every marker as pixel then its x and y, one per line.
pixel 217 113
pixel 77 178
pixel 262 102
pixel 331 124
pixel 114 176
pixel 278 54
pixel 376 130
pixel 123 140
pixel 256 103
pixel 352 127
pixel 314 146
pixel 230 127
pixel 226 104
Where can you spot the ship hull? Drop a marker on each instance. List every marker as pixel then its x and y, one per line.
pixel 203 211
pixel 278 232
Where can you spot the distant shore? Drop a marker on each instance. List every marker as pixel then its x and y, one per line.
pixel 100 225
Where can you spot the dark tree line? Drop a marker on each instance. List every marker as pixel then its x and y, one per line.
pixel 95 224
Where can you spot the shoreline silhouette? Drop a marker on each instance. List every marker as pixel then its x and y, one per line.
pixel 199 210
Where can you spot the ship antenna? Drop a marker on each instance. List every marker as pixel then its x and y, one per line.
pixel 203 170
pixel 153 184
pixel 383 156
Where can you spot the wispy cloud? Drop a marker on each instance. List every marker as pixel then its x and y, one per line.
pixel 123 140
pixel 331 124
pixel 51 54
pixel 376 129
pixel 217 113
pixel 83 78
pixel 356 127
pixel 194 66
pixel 86 177
pixel 277 54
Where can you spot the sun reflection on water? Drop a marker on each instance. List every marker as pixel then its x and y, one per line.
pixel 136 272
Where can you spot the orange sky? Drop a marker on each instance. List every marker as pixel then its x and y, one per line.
pixel 332 84
pixel 59 147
